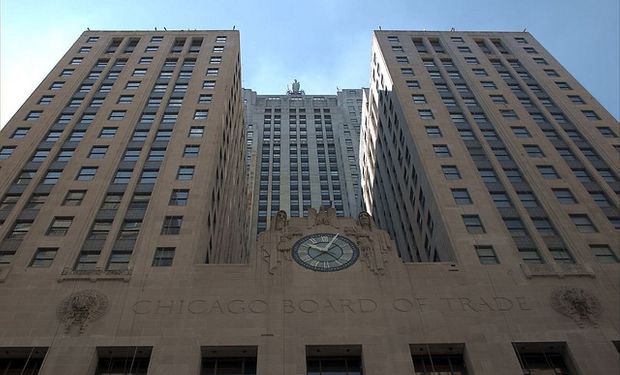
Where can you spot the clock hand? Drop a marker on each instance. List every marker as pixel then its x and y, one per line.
pixel 331 242
pixel 316 247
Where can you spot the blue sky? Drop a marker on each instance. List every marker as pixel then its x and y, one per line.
pixel 323 43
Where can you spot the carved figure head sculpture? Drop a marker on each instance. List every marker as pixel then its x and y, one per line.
pixel 365 220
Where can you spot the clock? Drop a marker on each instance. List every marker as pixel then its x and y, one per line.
pixel 325 252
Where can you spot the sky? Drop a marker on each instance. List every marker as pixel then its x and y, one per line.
pixel 325 44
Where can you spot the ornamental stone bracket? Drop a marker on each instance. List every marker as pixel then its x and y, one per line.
pixel 578 304
pixel 81 308
pixel 556 270
pixel 95 275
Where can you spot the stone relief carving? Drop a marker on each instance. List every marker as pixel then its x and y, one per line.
pixel 324 216
pixel 372 243
pixel 576 303
pixel 81 308
pixel 278 246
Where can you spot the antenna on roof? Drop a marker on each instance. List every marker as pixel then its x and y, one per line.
pixel 379 27
pixel 155 29
pixel 234 26
pixel 452 29
pixel 165 28
pixel 524 29
pixel 88 28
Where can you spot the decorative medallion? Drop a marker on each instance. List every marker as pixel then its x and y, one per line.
pixel 81 308
pixel 576 303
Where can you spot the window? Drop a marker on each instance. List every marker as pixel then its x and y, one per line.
pixel 540 61
pixel 473 224
pixel 419 99
pixel 564 196
pixel 156 154
pixel 65 155
pixel 521 132
pixel 132 85
pixel 19 133
pixel 548 172
pixel 149 176
pixel 196 131
pixel 441 151
pixel 212 72
pixel 201 114
pixel 119 260
pixel 145 60
pixel 603 254
pixel 100 230
pixel 172 225
pixel 130 228
pixel 437 359
pixel 499 99
pixel 33 115
pixel 86 174
pixel 125 99
pixel 513 175
pixel 501 200
pixel 92 39
pixel 451 172
pixel 215 60
pixel 163 258
pixel 563 86
pixel 480 72
pixel 205 99
pixel 527 199
pixel 488 85
pixel 544 226
pixel 471 60
pixel 140 72
pixel 37 200
pixel 565 153
pixel 45 99
pixel 163 135
pixel 122 176
pixel 60 226
pixel 105 88
pixel 407 71
pixel 561 255
pixel 534 151
pixel 208 85
pixel 87 261
pixel 179 197
pixel 509 114
pixel 56 85
pixel 607 132
pixel 39 156
pixel 76 61
pixel 107 133
pixel 576 99
pixel 583 223
pixel 426 114
pixel 98 152
pixel 111 201
pixel 600 198
pixel 191 151
pixel 43 257
pixel 530 255
pixel 74 198
pixel 117 115
pixel 486 254
pixel 461 196
pixel 6 152
pixel 433 132
pixel 185 173
pixel 590 115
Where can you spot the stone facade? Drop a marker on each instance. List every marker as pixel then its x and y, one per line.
pixel 280 308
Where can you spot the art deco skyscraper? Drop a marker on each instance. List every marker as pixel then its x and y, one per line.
pixel 129 152
pixel 480 146
pixel 302 152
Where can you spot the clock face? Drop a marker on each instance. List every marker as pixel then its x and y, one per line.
pixel 325 252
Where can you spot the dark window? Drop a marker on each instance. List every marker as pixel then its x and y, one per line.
pixel 163 257
pixel 172 225
pixel 473 224
pixel 486 254
pixel 179 197
pixel 74 198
